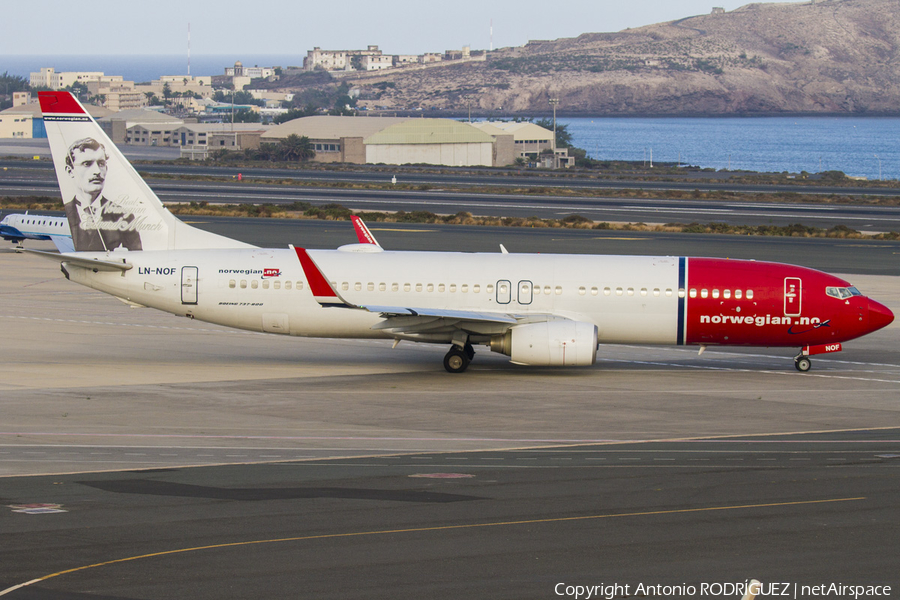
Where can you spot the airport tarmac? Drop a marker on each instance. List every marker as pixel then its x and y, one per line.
pixel 159 434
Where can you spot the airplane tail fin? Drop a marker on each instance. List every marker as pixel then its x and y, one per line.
pixel 108 205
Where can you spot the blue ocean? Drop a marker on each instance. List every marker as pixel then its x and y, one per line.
pixel 858 146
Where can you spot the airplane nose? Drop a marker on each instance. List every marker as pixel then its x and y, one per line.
pixel 879 315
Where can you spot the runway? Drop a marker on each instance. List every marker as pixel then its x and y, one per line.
pixel 195 461
pixel 25 179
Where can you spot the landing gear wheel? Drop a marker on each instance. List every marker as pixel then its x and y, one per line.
pixel 802 363
pixel 456 360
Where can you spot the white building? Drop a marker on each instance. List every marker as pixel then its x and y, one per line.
pixel 376 62
pixel 49 78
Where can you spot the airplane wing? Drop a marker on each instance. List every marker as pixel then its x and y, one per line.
pixel 93 264
pixel 411 319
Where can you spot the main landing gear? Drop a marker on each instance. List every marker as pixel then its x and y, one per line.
pixel 457 359
pixel 802 363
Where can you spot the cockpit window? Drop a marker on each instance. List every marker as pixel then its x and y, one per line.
pixel 842 293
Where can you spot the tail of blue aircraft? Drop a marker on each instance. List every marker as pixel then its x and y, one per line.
pixel 108 205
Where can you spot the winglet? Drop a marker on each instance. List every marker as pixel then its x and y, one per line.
pixel 323 292
pixel 362 232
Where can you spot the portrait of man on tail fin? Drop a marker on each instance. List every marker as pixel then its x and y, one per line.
pixel 97 223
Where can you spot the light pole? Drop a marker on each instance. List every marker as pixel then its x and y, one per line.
pixel 553 103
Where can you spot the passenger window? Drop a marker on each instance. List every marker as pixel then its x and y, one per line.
pixel 452 288
pixel 594 291
pixel 715 293
pixel 704 293
pixel 464 288
pixel 490 288
pixel 630 291
pixel 395 287
pixel 619 291
pixel 749 294
pixel 382 287
pixel 370 287
pixel 693 292
pixel 558 290
pixel 547 289
pixel 287 285
pixel 299 285
pixel 476 288
pixel 440 288
pixel 265 284
pixel 606 291
pixel 418 287
pixel 345 286
pixel 656 292
pixel 737 294
pixel 726 294
pixel 406 287
pixel 276 285
pixel 581 291
pixel 643 291
pixel 243 284
pixel 429 287
pixel 357 286
pixel 232 283
pixel 254 284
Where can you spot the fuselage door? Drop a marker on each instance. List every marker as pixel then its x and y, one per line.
pixel 504 291
pixel 793 297
pixel 526 289
pixel 189 285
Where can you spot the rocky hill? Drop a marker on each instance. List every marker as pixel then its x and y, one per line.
pixel 827 56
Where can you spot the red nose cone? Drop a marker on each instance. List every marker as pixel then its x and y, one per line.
pixel 879 315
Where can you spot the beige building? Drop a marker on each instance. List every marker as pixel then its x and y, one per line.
pixel 335 60
pixel 26 120
pixel 376 62
pixel 140 126
pixel 117 95
pixel 396 140
pixel 335 139
pixel 182 84
pixel 431 141
pixel 17 122
pixel 530 142
pixel 49 78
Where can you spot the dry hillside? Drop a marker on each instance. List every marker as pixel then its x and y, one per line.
pixel 831 56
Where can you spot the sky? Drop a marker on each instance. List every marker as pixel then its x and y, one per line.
pixel 292 27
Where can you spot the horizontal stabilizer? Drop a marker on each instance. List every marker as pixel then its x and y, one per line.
pixel 93 264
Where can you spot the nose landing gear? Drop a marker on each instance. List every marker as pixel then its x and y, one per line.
pixel 802 363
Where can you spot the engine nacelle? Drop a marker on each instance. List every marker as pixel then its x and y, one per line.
pixel 552 343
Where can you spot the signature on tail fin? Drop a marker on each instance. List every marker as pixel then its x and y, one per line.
pixel 108 206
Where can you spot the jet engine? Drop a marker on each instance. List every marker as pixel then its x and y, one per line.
pixel 551 343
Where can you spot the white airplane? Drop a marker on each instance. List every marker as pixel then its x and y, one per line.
pixel 539 309
pixel 18 227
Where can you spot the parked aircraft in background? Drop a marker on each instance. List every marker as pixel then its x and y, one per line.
pixel 19 227
pixel 539 309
